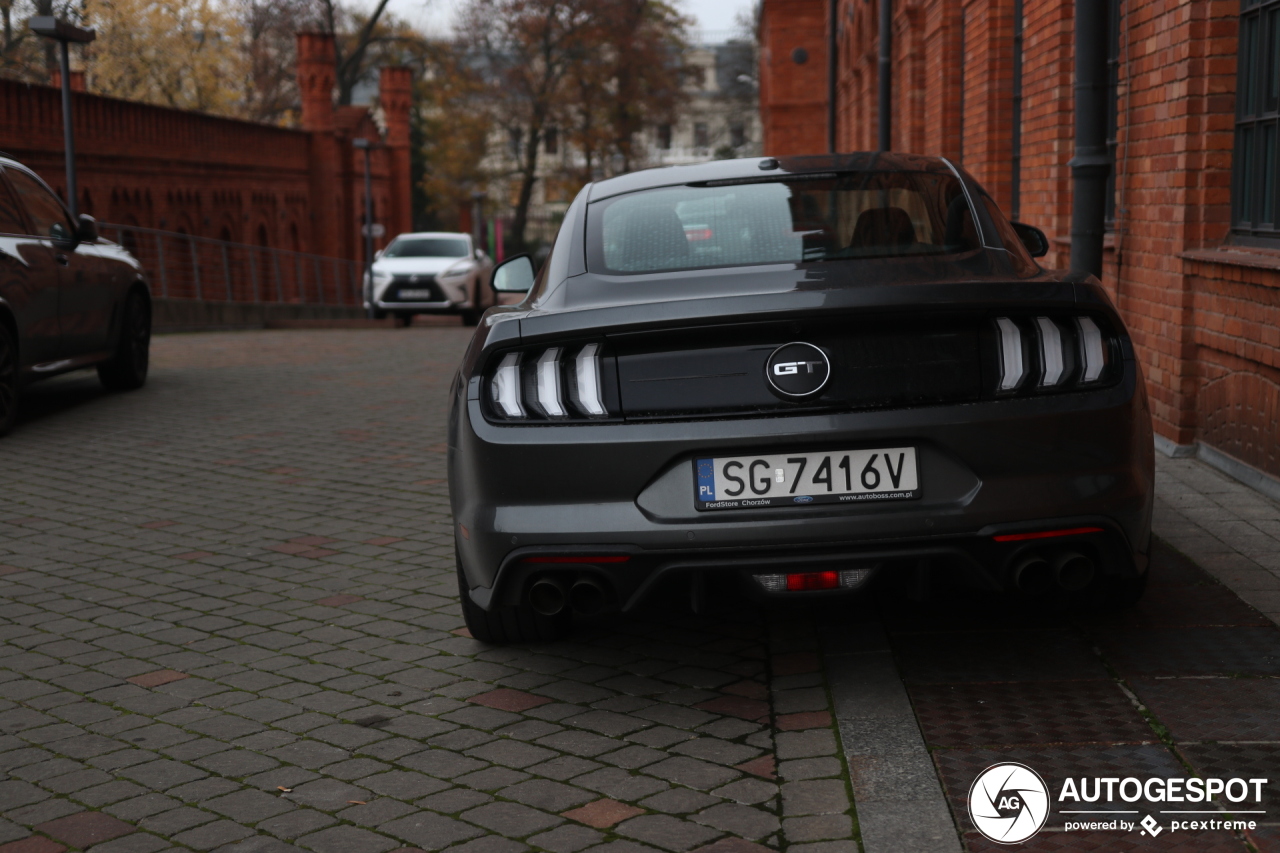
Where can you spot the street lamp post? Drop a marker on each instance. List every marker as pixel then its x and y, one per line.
pixel 64 32
pixel 366 146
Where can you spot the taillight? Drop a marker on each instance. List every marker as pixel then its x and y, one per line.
pixel 1051 353
pixel 552 384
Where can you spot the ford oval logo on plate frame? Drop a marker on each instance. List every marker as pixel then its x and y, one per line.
pixel 797 370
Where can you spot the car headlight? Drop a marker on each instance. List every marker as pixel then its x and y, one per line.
pixel 457 273
pixel 379 276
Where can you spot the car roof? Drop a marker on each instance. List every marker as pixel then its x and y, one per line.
pixel 765 168
pixel 434 234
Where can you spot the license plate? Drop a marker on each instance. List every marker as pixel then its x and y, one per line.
pixel 801 479
pixel 406 293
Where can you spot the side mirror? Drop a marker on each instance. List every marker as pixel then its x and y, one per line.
pixel 514 275
pixel 1033 238
pixel 87 232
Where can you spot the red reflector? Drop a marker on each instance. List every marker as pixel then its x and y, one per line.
pixel 575 558
pixel 813 580
pixel 694 235
pixel 1046 534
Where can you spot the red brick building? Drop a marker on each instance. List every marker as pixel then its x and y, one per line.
pixel 301 190
pixel 1193 249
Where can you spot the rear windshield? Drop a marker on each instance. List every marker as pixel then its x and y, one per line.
pixel 857 215
pixel 427 247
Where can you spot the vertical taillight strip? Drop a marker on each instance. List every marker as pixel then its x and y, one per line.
pixel 1050 352
pixel 1092 349
pixel 1011 365
pixel 588 397
pixel 506 386
pixel 548 368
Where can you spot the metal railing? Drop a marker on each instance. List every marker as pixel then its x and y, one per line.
pixel 182 266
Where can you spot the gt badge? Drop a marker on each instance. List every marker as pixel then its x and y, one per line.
pixel 797 370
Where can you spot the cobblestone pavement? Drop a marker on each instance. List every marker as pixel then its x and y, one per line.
pixel 229 621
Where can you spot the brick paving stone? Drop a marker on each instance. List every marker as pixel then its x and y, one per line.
pixel 506 699
pixel 735 845
pixel 803 720
pixel 347 839
pixel 566 839
pixel 157 678
pixel 32 844
pixel 602 813
pixel 336 600
pixel 85 828
pixel 429 831
pixel 743 821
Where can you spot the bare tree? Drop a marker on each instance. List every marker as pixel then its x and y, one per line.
pixel 528 48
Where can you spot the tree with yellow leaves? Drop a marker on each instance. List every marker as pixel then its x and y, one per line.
pixel 175 53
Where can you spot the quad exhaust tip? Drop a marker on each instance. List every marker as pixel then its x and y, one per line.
pixel 1032 575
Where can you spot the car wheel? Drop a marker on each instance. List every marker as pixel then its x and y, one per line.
pixel 404 321
pixel 471 316
pixel 10 389
pixel 519 624
pixel 127 369
pixel 379 315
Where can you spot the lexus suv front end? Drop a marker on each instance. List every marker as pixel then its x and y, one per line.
pixel 850 368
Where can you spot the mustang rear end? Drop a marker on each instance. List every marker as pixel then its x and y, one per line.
pixel 805 374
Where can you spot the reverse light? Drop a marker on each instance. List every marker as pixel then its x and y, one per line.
pixel 809 581
pixel 1011 367
pixel 1050 351
pixel 506 386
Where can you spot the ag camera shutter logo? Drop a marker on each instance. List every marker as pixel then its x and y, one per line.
pixel 1009 803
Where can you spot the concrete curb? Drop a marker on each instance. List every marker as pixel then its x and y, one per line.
pixel 900 803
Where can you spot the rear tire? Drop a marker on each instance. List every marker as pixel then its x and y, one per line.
pixel 518 624
pixel 10 385
pixel 471 317
pixel 127 369
pixel 1123 593
pixel 404 321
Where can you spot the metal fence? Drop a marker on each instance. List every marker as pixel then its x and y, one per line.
pixel 181 266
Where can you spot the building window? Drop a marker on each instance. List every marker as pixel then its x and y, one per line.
pixel 517 141
pixel 551 141
pixel 737 135
pixel 1113 100
pixel 664 137
pixel 1254 215
pixel 700 137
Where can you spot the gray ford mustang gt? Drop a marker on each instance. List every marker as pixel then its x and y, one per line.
pixel 801 374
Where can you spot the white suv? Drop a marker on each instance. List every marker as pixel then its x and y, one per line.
pixel 430 272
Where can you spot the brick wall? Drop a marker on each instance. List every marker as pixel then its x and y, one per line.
pixel 213 177
pixel 793 77
pixel 1205 315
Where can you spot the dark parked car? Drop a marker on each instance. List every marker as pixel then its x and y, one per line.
pixel 69 299
pixel 804 374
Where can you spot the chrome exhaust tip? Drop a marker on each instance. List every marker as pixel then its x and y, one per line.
pixel 1033 575
pixel 588 597
pixel 547 596
pixel 1073 571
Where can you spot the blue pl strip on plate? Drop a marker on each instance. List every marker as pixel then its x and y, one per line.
pixel 706 480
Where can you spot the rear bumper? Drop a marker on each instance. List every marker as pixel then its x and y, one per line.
pixel 988 467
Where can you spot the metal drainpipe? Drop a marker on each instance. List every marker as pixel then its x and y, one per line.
pixel 1015 207
pixel 1090 165
pixel 884 79
pixel 832 65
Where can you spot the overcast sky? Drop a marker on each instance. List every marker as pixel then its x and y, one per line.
pixel 434 16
